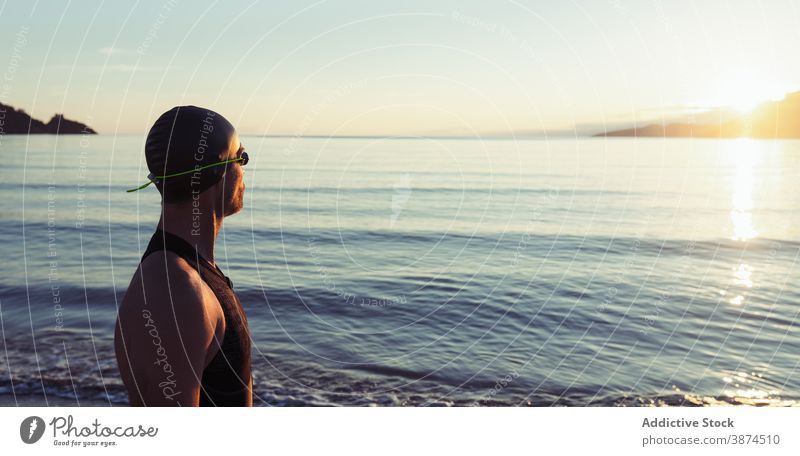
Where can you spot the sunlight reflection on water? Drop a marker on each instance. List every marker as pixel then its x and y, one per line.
pixel 746 156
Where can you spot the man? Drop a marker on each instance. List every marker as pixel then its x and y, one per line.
pixel 181 335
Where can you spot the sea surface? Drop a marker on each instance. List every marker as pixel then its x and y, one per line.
pixel 395 271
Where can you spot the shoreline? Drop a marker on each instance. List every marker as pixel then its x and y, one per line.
pixel 27 400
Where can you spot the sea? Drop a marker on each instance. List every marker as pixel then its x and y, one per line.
pixel 380 271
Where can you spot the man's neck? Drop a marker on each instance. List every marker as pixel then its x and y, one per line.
pixel 197 226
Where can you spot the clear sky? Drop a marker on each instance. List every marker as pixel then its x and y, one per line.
pixel 403 67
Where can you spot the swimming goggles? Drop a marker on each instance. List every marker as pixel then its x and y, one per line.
pixel 153 179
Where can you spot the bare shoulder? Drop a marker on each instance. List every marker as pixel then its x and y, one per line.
pixel 166 330
pixel 167 286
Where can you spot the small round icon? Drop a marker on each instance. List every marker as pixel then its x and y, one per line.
pixel 31 429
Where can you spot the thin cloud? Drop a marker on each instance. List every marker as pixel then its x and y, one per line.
pixel 114 51
pixel 118 67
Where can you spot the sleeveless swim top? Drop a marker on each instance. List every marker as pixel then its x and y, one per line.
pixel 226 379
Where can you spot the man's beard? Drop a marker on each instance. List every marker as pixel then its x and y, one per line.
pixel 236 203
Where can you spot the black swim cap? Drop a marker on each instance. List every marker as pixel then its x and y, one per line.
pixel 186 138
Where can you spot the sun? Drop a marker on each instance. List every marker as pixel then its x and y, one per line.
pixel 743 90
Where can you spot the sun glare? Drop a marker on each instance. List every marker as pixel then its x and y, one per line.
pixel 744 90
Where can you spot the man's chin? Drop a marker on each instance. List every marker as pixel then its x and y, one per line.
pixel 234 209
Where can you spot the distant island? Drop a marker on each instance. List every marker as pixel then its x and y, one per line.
pixel 769 120
pixel 18 122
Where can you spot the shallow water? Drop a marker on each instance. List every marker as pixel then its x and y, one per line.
pixel 433 272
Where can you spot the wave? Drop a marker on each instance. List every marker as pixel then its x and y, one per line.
pixel 90 377
pixel 553 242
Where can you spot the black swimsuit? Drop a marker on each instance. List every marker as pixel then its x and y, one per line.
pixel 226 379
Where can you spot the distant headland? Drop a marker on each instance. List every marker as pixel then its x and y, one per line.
pixel 769 120
pixel 18 122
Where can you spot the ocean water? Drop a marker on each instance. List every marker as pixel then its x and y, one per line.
pixel 381 271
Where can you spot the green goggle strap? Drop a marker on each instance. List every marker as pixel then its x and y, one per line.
pixel 154 179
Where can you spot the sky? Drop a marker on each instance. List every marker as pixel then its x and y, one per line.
pixel 396 68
